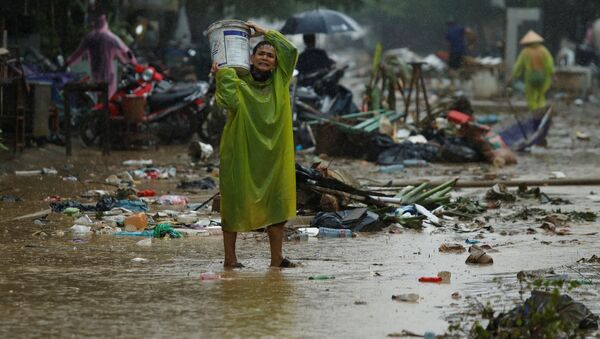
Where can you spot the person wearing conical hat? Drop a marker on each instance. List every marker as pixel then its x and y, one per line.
pixel 537 66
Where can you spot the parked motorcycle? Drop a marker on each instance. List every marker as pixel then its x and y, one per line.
pixel 172 114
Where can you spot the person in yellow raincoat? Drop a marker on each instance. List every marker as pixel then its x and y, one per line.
pixel 538 67
pixel 257 172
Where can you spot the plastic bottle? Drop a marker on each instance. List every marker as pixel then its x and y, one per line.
pixel 408 297
pixel 173 200
pixel 391 168
pixel 321 277
pixel 136 222
pixel 334 233
pixel 415 163
pixel 209 276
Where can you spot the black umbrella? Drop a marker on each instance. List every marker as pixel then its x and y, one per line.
pixel 319 21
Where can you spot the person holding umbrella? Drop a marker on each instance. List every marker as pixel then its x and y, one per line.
pixel 257 173
pixel 537 65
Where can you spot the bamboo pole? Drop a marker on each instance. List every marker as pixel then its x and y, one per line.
pixel 395 184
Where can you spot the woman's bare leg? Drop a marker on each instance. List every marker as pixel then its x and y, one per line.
pixel 229 246
pixel 276 233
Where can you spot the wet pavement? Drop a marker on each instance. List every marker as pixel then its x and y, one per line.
pixel 60 285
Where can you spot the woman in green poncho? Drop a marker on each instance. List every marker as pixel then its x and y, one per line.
pixel 537 64
pixel 257 173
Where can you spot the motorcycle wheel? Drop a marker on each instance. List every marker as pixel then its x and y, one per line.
pixel 90 129
pixel 177 127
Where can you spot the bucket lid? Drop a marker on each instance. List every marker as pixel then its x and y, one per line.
pixel 234 23
pixel 531 37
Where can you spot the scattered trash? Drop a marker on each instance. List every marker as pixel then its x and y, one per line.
pixel 582 135
pixel 145 233
pixel 146 193
pixel 456 296
pixel 409 297
pixel 199 151
pixel 594 259
pixel 321 277
pixel 391 168
pixel 451 248
pixel 140 162
pixel 558 175
pixel 500 192
pixel 430 279
pixel 478 256
pixel 310 231
pixel 203 184
pixel 172 200
pixel 139 260
pixel 129 205
pixel 10 198
pixel 334 233
pixel 81 229
pixel 161 230
pixel 136 222
pixel 358 220
pixel 45 171
pixel 71 211
pixel 187 218
pixel 472 241
pixel 144 242
pixel 446 276
pixel 571 314
pixel 84 220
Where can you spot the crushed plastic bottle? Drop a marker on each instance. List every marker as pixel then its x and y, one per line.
pixel 334 233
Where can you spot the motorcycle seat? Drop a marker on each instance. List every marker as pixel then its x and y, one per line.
pixel 159 99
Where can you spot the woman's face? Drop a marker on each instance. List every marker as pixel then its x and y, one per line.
pixel 264 60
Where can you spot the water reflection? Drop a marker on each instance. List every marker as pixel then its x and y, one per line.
pixel 254 305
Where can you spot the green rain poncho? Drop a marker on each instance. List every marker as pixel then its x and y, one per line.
pixel 538 65
pixel 257 173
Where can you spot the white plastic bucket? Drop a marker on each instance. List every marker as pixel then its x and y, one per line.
pixel 229 45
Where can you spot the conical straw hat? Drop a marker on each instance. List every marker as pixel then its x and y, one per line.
pixel 531 37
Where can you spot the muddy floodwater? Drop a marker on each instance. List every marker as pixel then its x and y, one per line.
pixel 90 287
pixel 57 284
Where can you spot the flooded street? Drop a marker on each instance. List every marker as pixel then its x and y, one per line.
pixel 96 288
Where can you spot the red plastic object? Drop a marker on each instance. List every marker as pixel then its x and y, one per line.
pixel 458 117
pixel 146 193
pixel 152 174
pixel 430 279
pixel 52 198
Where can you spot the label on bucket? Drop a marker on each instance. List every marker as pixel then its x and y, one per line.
pixel 230 48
